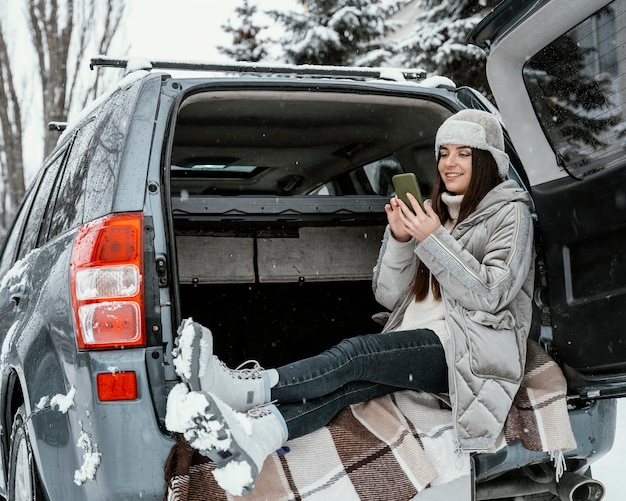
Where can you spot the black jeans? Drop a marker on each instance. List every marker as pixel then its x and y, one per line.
pixel 312 391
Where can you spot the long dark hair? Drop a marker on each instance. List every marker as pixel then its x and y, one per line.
pixel 484 178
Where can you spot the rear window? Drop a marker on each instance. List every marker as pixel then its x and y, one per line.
pixel 299 142
pixel 577 87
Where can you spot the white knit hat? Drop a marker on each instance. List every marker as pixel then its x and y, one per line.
pixel 476 129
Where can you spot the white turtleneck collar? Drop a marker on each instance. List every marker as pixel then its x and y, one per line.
pixel 453 202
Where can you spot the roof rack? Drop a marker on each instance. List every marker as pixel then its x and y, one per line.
pixel 396 74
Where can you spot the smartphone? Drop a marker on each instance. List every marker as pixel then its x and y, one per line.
pixel 407 183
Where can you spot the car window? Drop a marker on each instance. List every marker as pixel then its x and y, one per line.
pixel 371 179
pixel 105 152
pixel 34 219
pixel 576 85
pixel 65 210
pixel 13 237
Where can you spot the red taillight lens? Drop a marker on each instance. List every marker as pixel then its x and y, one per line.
pixel 107 282
pixel 118 244
pixel 116 386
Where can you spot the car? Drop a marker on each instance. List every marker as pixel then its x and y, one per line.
pixel 250 198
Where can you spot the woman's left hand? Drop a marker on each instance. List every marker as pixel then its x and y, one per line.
pixel 421 224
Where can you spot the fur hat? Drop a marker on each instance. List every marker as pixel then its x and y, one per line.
pixel 476 129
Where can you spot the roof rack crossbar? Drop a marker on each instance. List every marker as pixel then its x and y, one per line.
pixel 246 67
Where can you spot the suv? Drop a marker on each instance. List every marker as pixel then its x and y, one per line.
pixel 251 199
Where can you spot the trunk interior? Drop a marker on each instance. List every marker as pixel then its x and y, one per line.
pixel 288 316
pixel 278 212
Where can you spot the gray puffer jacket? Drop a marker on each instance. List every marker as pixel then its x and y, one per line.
pixel 485 269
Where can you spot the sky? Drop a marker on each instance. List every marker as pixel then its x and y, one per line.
pixel 191 31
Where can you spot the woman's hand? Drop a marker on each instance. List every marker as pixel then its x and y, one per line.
pixel 404 224
pixel 396 225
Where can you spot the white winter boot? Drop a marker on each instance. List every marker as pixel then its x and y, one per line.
pixel 238 443
pixel 241 388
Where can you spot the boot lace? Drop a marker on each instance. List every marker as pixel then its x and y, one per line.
pixel 260 410
pixel 243 372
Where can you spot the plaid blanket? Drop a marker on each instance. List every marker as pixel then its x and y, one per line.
pixel 395 446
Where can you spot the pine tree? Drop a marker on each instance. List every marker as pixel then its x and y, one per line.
pixel 336 32
pixel 438 44
pixel 581 110
pixel 579 106
pixel 246 44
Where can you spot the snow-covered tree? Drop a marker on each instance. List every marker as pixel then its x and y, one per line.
pixel 579 106
pixel 246 45
pixel 437 44
pixel 337 32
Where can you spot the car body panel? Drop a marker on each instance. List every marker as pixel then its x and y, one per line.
pixel 138 152
pixel 44 359
pixel 41 364
pixel 99 431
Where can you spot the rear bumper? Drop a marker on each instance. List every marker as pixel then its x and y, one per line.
pixel 594 430
pixel 102 450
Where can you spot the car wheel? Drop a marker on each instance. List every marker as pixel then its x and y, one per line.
pixel 23 477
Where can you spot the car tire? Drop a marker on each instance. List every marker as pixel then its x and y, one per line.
pixel 23 477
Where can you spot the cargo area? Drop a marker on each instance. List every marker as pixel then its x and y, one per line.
pixel 276 297
pixel 277 198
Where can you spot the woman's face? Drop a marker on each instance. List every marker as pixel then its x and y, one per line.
pixel 455 167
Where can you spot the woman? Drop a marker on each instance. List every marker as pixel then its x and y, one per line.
pixel 458 280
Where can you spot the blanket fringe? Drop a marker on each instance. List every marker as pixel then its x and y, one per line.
pixel 560 465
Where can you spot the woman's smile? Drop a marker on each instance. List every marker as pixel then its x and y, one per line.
pixel 455 167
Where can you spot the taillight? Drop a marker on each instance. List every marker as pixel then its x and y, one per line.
pixel 107 282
